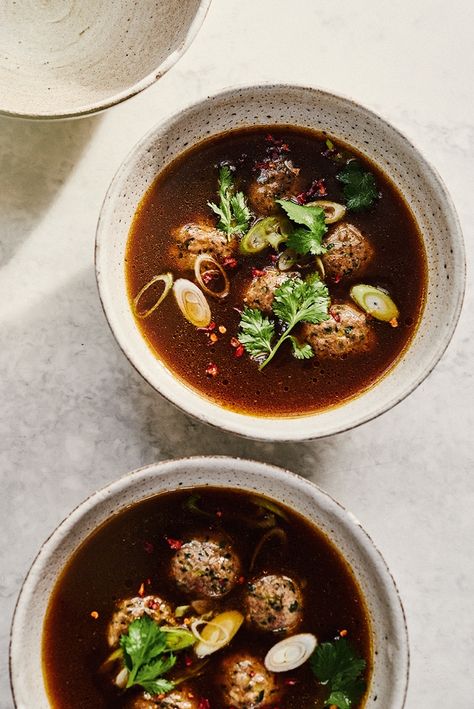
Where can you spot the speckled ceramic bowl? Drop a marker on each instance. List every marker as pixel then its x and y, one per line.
pixel 65 58
pixel 343 119
pixel 391 658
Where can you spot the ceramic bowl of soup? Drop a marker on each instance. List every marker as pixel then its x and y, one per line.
pixel 280 262
pixel 222 560
pixel 63 58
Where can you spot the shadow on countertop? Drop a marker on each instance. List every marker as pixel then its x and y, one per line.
pixel 36 158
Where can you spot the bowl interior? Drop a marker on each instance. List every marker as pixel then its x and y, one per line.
pixel 390 672
pixel 342 119
pixel 62 57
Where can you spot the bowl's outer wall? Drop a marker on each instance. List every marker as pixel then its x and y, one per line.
pixel 75 59
pixel 390 674
pixel 342 119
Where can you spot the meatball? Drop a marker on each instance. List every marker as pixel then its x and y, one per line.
pixel 277 179
pixel 349 252
pixel 274 603
pixel 194 239
pixel 206 566
pixel 183 698
pixel 261 290
pixel 246 683
pixel 129 609
pixel 347 332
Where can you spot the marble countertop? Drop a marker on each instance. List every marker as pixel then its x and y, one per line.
pixel 74 415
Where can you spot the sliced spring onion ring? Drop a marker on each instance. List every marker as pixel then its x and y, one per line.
pixel 122 678
pixel 204 259
pixel 192 302
pixel 270 231
pixel 217 633
pixel 290 653
pixel 275 533
pixel 178 638
pixel 181 610
pixel 286 260
pixel 167 279
pixel 333 211
pixel 375 302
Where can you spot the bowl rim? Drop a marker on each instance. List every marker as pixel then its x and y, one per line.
pixel 245 423
pixel 156 469
pixel 133 89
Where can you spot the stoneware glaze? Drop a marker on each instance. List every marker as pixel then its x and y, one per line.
pixel 389 635
pixel 343 119
pixel 65 58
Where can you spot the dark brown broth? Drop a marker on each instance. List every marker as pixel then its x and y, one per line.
pixel 286 387
pixel 113 562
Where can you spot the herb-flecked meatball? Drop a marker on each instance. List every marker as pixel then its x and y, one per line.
pixel 261 291
pixel 274 603
pixel 206 566
pixel 347 332
pixel 194 239
pixel 129 609
pixel 278 178
pixel 182 698
pixel 349 252
pixel 247 684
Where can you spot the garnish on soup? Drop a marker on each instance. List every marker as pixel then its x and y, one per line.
pixel 308 263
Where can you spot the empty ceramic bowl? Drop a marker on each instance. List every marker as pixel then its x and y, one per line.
pixel 383 145
pixel 65 58
pixel 389 677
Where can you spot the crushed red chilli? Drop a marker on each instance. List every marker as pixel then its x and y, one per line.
pixel 174 543
pixel 230 262
pixel 239 351
pixel 212 370
pixel 317 189
pixel 257 272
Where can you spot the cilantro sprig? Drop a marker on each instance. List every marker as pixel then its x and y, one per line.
pixel 360 188
pixel 232 210
pixel 337 666
pixel 307 238
pixel 295 301
pixel 147 654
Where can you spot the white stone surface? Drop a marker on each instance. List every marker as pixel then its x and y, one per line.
pixel 73 413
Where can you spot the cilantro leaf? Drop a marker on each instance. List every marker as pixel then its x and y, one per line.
pixel 256 333
pixel 295 301
pixel 147 655
pixel 232 210
pixel 337 665
pixel 301 350
pixel 307 238
pixel 360 188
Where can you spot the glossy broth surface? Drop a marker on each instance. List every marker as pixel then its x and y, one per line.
pixel 131 548
pixel 287 387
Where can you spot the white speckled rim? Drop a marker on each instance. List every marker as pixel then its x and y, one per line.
pixel 130 91
pixel 389 682
pixel 360 127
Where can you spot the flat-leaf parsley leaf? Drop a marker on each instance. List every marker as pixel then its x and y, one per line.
pixel 360 188
pixel 232 210
pixel 308 237
pixel 337 665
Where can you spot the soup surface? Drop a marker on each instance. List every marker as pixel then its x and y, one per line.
pixel 269 566
pixel 372 240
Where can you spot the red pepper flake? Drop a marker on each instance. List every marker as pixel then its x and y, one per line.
pixel 204 704
pixel 141 590
pixel 317 189
pixel 148 547
pixel 153 605
pixel 219 513
pixel 213 337
pixel 335 315
pixel 337 278
pixel 257 272
pixel 94 615
pixel 222 329
pixel 291 682
pixel 209 276
pixel 174 543
pixel 212 326
pixel 343 633
pixel 188 660
pixel 239 351
pixel 212 370
pixel 234 342
pixel 229 262
pixel 241 580
pixel 394 322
